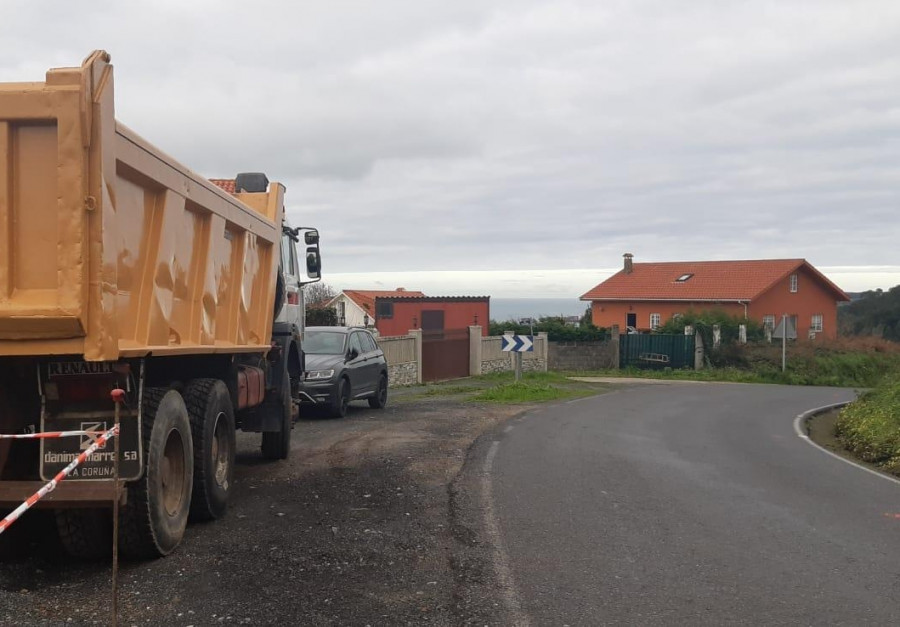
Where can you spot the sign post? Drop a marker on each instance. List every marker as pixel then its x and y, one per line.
pixel 786 329
pixel 518 344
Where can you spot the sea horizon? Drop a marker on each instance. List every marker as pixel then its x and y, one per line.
pixel 503 309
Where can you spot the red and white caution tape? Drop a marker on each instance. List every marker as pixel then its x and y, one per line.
pixel 46 434
pixel 62 474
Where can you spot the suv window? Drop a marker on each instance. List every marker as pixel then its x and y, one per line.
pixel 368 343
pixel 355 343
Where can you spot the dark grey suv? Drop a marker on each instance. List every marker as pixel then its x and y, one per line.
pixel 343 364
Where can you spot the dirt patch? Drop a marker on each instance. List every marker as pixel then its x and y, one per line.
pixel 368 523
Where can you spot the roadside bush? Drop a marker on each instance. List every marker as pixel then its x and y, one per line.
pixel 844 362
pixel 870 426
pixel 704 321
pixel 321 317
pixel 556 328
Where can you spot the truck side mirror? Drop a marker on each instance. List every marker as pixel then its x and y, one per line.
pixel 311 237
pixel 313 263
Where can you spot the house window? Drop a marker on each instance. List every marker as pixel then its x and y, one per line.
pixel 816 323
pixel 676 316
pixel 384 309
pixel 684 277
pixel 793 283
pixel 769 322
pixel 654 320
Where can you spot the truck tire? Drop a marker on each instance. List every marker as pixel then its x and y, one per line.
pixel 152 523
pixel 85 533
pixel 212 432
pixel 277 444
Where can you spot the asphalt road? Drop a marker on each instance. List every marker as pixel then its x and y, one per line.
pixel 689 504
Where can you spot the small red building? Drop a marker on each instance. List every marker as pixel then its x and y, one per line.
pixel 645 295
pixel 396 315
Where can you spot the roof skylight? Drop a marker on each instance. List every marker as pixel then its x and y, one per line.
pixel 684 277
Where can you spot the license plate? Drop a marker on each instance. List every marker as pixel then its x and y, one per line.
pixel 57 453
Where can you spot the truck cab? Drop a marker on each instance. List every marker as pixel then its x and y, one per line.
pixel 295 275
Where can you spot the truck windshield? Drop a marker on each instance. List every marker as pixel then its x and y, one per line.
pixel 324 343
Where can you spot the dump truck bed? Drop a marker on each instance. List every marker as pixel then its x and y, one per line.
pixel 110 248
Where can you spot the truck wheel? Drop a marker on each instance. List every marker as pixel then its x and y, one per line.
pixel 152 522
pixel 85 533
pixel 277 444
pixel 212 431
pixel 380 399
pixel 341 400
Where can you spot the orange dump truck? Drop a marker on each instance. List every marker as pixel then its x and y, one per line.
pixel 120 268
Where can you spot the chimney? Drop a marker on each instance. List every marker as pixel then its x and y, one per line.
pixel 401 289
pixel 629 266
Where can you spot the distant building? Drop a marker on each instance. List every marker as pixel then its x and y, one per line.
pixel 642 296
pixel 396 312
pixel 356 308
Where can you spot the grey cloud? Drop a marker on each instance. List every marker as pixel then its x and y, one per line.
pixel 516 135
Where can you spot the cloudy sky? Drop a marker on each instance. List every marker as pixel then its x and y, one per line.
pixel 518 148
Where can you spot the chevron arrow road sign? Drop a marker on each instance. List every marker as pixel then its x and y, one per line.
pixel 517 344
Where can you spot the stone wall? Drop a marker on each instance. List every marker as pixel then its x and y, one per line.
pixel 583 355
pixel 403 374
pixel 508 365
pixel 403 354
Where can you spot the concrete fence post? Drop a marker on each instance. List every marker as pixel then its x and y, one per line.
pixel 417 335
pixel 698 351
pixel 545 350
pixel 475 350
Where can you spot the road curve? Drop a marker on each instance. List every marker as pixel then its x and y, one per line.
pixel 691 504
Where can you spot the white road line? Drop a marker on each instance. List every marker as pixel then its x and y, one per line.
pixel 800 420
pixel 501 559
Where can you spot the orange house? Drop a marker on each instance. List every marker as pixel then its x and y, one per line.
pixel 646 295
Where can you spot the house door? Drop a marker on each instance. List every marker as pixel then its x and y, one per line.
pixel 630 321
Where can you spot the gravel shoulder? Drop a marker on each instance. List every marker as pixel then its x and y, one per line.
pixel 370 522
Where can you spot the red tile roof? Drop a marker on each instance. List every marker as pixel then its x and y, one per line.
pixel 710 280
pixel 226 184
pixel 366 298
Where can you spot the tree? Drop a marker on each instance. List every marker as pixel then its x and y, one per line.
pixel 874 313
pixel 321 317
pixel 317 294
pixel 316 297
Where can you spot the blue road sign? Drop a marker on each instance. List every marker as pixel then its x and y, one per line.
pixel 518 344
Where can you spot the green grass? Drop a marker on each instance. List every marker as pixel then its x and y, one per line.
pixel 870 426
pixel 535 387
pixel 529 392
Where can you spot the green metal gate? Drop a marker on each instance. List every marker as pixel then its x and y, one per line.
pixel 656 351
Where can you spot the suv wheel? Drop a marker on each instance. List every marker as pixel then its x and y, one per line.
pixel 342 399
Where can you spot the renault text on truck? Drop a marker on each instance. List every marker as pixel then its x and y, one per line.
pixel 120 268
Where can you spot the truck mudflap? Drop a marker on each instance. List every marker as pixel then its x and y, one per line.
pixel 76 398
